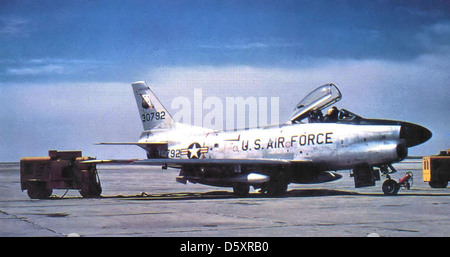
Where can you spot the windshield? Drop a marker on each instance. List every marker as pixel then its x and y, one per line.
pixel 318 99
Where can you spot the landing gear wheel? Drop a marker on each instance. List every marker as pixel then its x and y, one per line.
pixel 274 188
pixel 278 189
pixel 241 189
pixel 390 187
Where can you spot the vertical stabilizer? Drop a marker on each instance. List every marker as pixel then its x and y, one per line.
pixel 152 113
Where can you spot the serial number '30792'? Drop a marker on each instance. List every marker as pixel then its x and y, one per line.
pixel 153 116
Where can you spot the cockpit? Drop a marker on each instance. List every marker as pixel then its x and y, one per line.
pixel 312 105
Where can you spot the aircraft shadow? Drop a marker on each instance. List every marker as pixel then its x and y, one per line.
pixel 229 195
pixel 294 193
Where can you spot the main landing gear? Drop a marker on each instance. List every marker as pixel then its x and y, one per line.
pixel 274 187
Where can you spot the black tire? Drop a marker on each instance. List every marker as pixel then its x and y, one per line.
pixel 92 190
pixel 89 184
pixel 390 187
pixel 38 190
pixel 278 188
pixel 241 190
pixel 438 183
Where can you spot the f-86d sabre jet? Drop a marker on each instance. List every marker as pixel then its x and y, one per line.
pixel 309 148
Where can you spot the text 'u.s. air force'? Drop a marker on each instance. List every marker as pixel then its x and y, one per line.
pixel 293 141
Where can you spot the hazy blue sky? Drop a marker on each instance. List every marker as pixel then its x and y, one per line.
pixel 66 66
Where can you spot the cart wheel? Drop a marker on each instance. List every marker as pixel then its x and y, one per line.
pixel 90 186
pixel 38 191
pixel 90 191
pixel 390 187
pixel 439 183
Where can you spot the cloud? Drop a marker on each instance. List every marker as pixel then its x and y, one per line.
pixel 434 37
pixel 37 117
pixel 49 66
pixel 45 69
pixel 13 27
pixel 376 81
pixel 440 28
pixel 251 45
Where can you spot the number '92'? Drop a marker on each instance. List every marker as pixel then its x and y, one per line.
pixel 153 116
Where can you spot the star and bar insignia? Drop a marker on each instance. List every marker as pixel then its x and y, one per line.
pixel 194 150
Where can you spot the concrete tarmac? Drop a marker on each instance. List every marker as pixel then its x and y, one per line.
pixel 146 201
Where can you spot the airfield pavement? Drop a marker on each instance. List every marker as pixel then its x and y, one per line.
pixel 170 209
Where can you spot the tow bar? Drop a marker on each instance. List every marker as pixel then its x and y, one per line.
pixel 407 181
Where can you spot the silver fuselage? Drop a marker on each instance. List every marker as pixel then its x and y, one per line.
pixel 330 145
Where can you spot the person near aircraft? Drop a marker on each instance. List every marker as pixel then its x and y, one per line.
pixel 332 115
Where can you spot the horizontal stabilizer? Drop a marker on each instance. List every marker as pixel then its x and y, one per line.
pixel 131 161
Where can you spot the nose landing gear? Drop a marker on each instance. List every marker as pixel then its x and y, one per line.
pixel 390 186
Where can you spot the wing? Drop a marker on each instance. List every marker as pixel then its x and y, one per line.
pixel 176 163
pixel 210 161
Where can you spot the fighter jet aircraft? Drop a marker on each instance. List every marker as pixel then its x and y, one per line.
pixel 309 148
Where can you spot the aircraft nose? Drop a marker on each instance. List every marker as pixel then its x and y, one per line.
pixel 414 134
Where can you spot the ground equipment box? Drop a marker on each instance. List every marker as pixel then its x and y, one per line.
pixel 436 169
pixel 60 170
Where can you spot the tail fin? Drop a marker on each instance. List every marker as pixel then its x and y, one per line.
pixel 152 112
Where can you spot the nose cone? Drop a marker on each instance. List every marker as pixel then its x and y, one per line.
pixel 414 134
